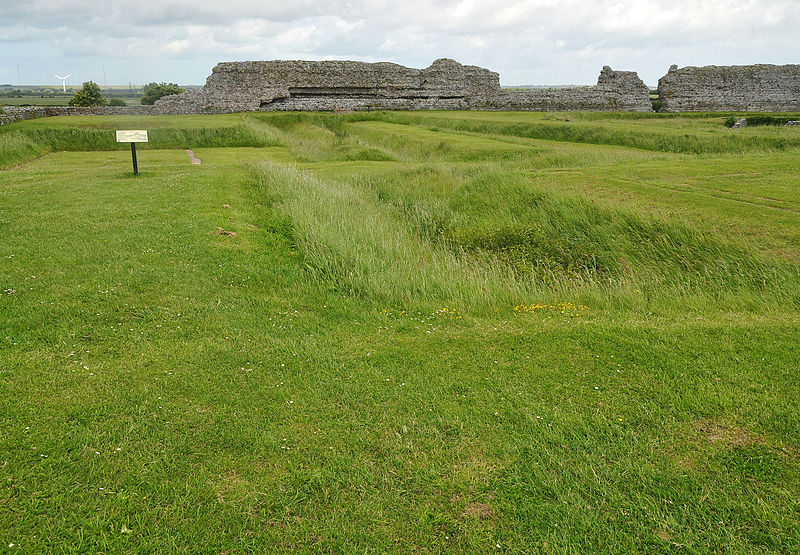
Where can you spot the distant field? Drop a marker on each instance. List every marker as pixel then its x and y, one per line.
pixel 400 331
pixel 33 101
pixel 56 101
pixel 40 95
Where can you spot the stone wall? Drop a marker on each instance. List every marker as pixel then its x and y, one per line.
pixel 616 91
pixel 342 85
pixel 333 85
pixel 754 88
pixel 17 113
pixel 449 85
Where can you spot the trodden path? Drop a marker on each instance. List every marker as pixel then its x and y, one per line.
pixel 192 158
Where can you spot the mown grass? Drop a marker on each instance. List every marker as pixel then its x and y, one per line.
pixel 498 344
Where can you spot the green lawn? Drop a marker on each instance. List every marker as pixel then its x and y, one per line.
pixel 431 332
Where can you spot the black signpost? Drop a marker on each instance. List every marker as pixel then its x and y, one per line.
pixel 133 137
pixel 133 155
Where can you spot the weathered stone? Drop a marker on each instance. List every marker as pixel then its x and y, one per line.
pixel 448 85
pixel 615 91
pixel 332 85
pixel 17 113
pixel 344 85
pixel 754 88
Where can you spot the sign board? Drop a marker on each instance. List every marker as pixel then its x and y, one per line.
pixel 132 136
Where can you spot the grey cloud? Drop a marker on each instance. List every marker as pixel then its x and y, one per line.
pixel 533 41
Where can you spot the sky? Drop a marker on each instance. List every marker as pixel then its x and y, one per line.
pixel 535 42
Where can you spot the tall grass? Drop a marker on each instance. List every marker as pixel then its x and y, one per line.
pixel 318 137
pixel 16 148
pixel 355 243
pixel 550 237
pixel 491 242
pixel 579 132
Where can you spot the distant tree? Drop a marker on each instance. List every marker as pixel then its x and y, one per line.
pixel 88 95
pixel 116 102
pixel 154 91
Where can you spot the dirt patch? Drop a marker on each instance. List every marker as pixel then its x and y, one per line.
pixel 478 510
pixel 231 488
pixel 192 158
pixel 225 232
pixel 686 462
pixel 732 437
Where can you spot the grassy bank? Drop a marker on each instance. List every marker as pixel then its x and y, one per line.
pixel 29 139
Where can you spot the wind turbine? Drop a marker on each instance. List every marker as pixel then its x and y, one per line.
pixel 63 81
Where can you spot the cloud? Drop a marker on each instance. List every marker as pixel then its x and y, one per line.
pixel 527 41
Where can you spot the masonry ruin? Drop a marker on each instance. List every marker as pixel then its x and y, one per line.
pixel 449 85
pixel 344 85
pixel 753 88
pixel 616 91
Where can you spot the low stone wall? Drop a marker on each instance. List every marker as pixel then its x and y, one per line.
pixel 17 113
pixel 616 91
pixel 753 88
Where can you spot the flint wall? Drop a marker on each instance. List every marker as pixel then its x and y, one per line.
pixel 753 88
pixel 342 85
pixel 17 113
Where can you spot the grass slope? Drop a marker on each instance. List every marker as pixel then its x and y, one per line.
pixel 420 338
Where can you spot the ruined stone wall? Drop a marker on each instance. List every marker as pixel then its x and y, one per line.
pixel 340 85
pixel 448 85
pixel 616 91
pixel 754 88
pixel 332 85
pixel 18 113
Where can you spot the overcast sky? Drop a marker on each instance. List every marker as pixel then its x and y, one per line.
pixel 527 41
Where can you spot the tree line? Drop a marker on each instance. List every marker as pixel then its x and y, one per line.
pixel 91 95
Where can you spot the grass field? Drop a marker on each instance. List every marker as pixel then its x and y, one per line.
pixel 43 95
pixel 411 332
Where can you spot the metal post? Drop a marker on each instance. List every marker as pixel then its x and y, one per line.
pixel 133 155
